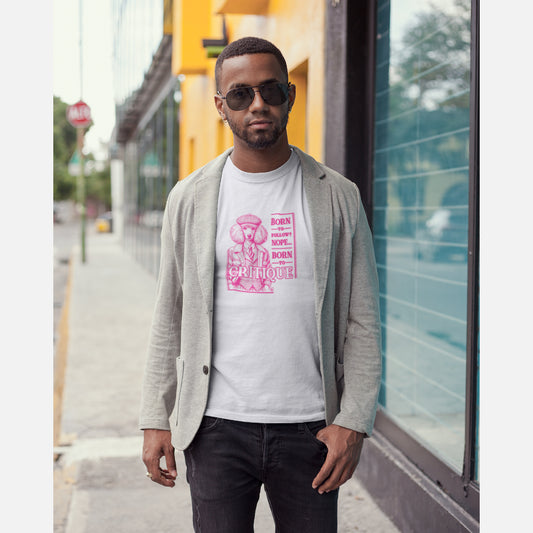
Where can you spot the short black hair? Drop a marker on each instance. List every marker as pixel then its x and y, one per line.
pixel 249 45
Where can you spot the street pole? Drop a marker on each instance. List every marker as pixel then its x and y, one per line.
pixel 81 191
pixel 81 133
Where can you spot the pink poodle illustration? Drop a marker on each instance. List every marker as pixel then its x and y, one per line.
pixel 248 268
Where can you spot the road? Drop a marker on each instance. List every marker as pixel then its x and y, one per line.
pixel 66 235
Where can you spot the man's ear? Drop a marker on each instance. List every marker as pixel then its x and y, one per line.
pixel 292 95
pixel 219 104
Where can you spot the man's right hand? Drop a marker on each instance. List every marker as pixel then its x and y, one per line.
pixel 157 444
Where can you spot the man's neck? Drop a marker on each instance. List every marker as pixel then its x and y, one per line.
pixel 264 160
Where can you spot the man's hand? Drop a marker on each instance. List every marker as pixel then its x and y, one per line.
pixel 344 450
pixel 157 444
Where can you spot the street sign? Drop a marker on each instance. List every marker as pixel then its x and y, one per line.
pixel 79 114
pixel 73 167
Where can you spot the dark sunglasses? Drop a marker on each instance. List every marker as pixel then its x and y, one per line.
pixel 273 93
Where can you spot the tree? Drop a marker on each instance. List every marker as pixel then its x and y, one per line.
pixel 435 57
pixel 64 147
pixel 98 187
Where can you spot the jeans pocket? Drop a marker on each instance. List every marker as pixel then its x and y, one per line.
pixel 208 423
pixel 312 428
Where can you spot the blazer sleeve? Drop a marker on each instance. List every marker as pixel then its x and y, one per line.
pixel 362 346
pixel 160 379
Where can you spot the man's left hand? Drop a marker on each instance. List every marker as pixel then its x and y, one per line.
pixel 344 450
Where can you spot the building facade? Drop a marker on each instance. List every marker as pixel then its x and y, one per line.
pixel 387 93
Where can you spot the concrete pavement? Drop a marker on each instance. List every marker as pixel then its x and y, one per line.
pixel 99 478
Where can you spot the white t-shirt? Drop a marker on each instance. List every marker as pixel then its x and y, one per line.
pixel 265 365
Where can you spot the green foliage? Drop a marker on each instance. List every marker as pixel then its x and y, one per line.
pixel 435 56
pixel 64 147
pixel 98 186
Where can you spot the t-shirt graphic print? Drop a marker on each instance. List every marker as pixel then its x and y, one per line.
pixel 251 267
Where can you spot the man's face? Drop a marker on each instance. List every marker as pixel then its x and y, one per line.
pixel 259 125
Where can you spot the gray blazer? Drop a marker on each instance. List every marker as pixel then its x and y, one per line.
pixel 346 300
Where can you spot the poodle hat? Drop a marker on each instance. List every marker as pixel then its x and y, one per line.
pixel 249 219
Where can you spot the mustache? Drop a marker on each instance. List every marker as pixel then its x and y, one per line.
pixel 258 115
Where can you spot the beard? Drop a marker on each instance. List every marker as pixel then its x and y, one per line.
pixel 261 139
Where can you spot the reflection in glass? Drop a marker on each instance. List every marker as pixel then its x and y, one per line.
pixel 151 165
pixel 421 215
pixel 137 33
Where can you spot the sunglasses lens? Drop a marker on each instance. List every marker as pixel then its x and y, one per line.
pixel 240 98
pixel 272 93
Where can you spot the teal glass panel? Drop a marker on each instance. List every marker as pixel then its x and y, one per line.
pixel 151 162
pixel 420 216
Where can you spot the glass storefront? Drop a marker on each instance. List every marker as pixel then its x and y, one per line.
pixel 151 170
pixel 137 32
pixel 420 214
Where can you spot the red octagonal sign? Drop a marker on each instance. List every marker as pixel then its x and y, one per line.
pixel 79 114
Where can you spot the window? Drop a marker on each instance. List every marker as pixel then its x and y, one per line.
pixel 421 216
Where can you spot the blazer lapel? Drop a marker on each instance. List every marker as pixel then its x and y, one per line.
pixel 319 202
pixel 205 224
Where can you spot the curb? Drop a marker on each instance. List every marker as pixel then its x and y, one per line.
pixel 60 358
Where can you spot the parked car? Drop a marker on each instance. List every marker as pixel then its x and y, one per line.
pixel 444 236
pixel 104 222
pixel 58 218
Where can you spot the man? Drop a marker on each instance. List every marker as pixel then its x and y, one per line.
pixel 278 387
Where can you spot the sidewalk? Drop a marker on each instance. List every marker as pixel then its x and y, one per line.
pixel 99 478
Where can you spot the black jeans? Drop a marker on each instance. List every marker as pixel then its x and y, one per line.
pixel 228 461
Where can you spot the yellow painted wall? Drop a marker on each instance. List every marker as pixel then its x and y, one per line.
pixel 191 23
pixel 297 125
pixel 296 27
